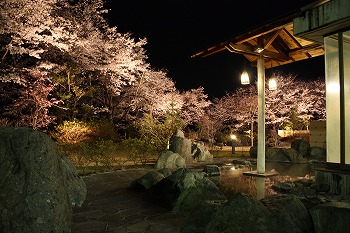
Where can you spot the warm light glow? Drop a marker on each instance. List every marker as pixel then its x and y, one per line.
pixel 332 87
pixel 258 49
pixel 245 78
pixel 233 137
pixel 272 84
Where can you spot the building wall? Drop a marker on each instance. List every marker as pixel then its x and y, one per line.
pixel 328 18
pixel 317 133
pixel 339 183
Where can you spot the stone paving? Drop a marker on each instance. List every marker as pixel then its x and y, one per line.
pixel 110 206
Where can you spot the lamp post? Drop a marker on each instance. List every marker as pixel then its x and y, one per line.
pixel 234 138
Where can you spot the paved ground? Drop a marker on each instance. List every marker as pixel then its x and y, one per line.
pixel 110 206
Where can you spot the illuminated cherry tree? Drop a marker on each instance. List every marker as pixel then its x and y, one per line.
pixel 55 37
pixel 306 98
pixel 294 100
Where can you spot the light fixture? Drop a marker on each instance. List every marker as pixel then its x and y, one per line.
pixel 245 78
pixel 258 49
pixel 233 137
pixel 272 83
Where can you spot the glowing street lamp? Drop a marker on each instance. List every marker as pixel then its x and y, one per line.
pixel 234 138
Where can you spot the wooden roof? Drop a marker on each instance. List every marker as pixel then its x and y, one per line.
pixel 276 40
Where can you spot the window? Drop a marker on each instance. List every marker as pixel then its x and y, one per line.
pixel 337 67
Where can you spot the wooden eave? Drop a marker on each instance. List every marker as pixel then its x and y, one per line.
pixel 277 41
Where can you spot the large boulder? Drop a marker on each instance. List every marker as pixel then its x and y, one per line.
pixel 289 213
pixel 197 219
pixel 285 155
pixel 288 155
pixel 276 155
pixel 318 153
pixel 181 145
pixel 242 213
pixel 212 170
pixel 275 214
pixel 146 181
pixel 331 217
pixel 200 153
pixel 184 190
pixel 293 156
pixel 75 185
pixel 170 160
pixel 302 146
pixel 253 152
pixel 38 187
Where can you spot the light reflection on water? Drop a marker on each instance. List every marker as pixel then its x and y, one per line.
pixel 232 181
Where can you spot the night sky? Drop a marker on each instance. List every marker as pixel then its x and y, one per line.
pixel 176 29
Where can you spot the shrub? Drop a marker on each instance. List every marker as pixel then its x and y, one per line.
pixel 87 142
pixel 72 132
pixel 77 131
pixel 139 149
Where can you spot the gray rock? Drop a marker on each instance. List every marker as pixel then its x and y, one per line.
pixel 274 214
pixel 36 184
pixel 318 153
pixel 243 214
pixel 146 181
pixel 212 170
pixel 322 188
pixel 179 133
pixel 302 146
pixel 75 185
pixel 276 155
pixel 289 213
pixel 170 160
pixel 283 187
pixel 253 152
pixel 244 163
pixel 165 171
pixel 195 222
pixel 175 143
pixel 200 153
pixel 331 217
pixel 181 145
pixel 185 151
pixel 293 155
pixel 184 190
pixel 279 155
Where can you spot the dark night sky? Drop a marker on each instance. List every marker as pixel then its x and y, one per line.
pixel 176 29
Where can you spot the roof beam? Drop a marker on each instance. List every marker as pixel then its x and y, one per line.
pixel 306 49
pixel 271 38
pixel 297 42
pixel 210 51
pixel 245 49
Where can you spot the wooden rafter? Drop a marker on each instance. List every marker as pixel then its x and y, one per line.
pixel 271 38
pixel 279 45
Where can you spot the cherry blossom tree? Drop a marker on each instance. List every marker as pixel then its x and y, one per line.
pixel 195 103
pixel 306 98
pixel 293 101
pixel 33 103
pixel 53 37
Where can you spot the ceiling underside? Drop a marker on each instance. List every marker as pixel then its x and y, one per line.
pixel 274 40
